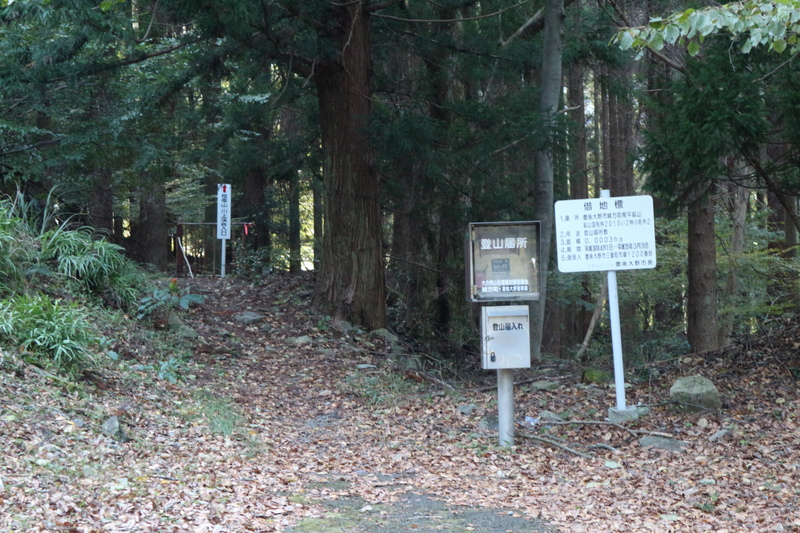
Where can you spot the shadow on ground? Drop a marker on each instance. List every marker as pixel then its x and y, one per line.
pixel 414 512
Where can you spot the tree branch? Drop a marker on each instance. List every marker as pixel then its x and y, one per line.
pixel 450 21
pixel 530 27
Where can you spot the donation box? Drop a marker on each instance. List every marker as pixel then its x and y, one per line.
pixel 506 337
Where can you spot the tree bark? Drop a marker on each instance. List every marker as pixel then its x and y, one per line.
pixel 550 92
pixel 295 261
pixel 150 235
pixel 350 284
pixel 736 201
pixel 580 314
pixel 701 313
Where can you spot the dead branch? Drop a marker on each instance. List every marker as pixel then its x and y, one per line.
pixel 607 423
pixel 597 309
pixel 556 444
pixel 418 375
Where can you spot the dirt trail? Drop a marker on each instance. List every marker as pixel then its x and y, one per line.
pixel 350 458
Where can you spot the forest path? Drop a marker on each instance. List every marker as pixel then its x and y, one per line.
pixel 274 420
pixel 334 414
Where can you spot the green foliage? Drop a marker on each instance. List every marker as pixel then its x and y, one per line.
pixel 694 135
pixel 56 336
pixel 771 23
pixel 221 414
pixel 96 264
pixel 379 387
pixel 166 300
pixel 19 250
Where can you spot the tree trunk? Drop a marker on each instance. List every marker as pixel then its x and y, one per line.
pixel 701 313
pixel 319 226
pixel 580 314
pixel 101 208
pixel 737 211
pixel 350 284
pixel 550 91
pixel 295 261
pixel 150 236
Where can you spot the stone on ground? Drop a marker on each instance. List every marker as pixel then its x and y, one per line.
pixel 695 393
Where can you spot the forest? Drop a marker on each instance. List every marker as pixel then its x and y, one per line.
pixel 360 139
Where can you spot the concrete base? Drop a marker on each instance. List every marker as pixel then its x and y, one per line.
pixel 620 416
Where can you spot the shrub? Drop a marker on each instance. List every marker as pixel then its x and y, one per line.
pixel 54 335
pixel 96 264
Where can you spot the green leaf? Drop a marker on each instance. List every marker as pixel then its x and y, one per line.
pixel 693 48
pixel 625 40
pixel 779 45
pixel 671 34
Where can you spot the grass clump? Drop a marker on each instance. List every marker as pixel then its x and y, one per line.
pixel 51 334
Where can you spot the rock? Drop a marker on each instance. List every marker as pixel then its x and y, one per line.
pixel 549 416
pixel 662 443
pixel 89 472
pixel 489 423
pixel 266 327
pixel 594 375
pixel 386 335
pixel 467 409
pixel 365 366
pixel 695 393
pixel 112 428
pixel 544 385
pixel 248 317
pixel 180 328
pixel 304 339
pixel 720 435
pixel 344 327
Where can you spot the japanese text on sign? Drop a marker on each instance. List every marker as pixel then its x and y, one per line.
pixel 503 262
pixel 223 211
pixel 604 234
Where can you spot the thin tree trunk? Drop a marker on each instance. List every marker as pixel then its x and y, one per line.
pixel 737 210
pixel 701 313
pixel 579 188
pixel 295 261
pixel 550 91
pixel 101 208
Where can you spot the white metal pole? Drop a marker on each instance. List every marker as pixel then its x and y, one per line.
pixel 616 339
pixel 222 255
pixel 616 335
pixel 505 405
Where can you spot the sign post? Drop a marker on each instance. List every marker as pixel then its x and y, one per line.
pixel 608 234
pixel 503 266
pixel 223 219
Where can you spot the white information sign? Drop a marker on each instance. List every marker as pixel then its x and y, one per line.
pixel 605 234
pixel 223 211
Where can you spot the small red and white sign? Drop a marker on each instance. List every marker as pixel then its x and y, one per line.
pixel 223 211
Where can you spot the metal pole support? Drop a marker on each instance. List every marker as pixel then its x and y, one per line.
pixel 505 406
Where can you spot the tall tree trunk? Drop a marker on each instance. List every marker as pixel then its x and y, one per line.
pixel 350 284
pixel 295 261
pixel 150 235
pixel 550 92
pixel 580 314
pixel 736 203
pixel 319 219
pixel 701 312
pixel 101 202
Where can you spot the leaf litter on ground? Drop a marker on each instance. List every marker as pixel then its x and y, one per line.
pixel 262 430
